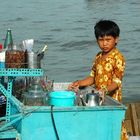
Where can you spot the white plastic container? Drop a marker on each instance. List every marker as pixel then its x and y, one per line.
pixel 2 57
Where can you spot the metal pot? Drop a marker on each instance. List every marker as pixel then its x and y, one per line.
pixel 92 99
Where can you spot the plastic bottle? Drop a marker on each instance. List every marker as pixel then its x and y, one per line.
pixel 2 57
pixel 8 40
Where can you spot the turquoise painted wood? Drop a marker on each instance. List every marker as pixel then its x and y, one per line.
pixel 84 123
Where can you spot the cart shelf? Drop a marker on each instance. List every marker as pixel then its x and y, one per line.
pixel 11 73
pixel 8 133
pixel 21 72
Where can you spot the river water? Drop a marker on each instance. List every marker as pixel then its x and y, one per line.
pixel 67 28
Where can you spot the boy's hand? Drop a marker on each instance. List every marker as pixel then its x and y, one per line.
pixel 102 94
pixel 74 86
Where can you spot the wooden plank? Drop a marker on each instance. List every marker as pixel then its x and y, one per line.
pixel 137 105
pixel 139 124
pixel 134 120
pixel 128 127
pixel 134 138
pixel 127 114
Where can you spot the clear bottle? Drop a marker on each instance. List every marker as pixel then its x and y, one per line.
pixel 35 96
pixel 8 40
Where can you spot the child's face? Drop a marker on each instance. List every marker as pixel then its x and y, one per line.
pixel 107 43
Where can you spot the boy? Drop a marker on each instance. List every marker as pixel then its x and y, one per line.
pixel 109 64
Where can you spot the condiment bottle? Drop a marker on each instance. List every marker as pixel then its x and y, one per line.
pixel 15 58
pixel 2 57
pixel 8 40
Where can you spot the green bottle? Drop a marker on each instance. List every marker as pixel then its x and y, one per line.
pixel 8 41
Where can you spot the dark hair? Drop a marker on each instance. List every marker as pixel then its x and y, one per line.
pixel 106 27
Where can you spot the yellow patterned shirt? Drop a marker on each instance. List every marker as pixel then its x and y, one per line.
pixel 108 70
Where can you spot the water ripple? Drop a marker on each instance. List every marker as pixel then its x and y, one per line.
pixel 67 28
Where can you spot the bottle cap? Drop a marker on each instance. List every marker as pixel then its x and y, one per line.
pixel 14 47
pixel 1 47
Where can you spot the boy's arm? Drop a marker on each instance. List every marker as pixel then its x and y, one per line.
pixel 86 82
pixel 81 83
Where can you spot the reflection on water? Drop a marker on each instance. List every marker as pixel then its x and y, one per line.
pixel 67 28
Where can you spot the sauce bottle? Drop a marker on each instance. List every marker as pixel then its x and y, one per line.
pixel 8 40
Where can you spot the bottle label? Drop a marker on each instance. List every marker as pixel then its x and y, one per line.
pixel 2 59
pixel 2 65
pixel 2 56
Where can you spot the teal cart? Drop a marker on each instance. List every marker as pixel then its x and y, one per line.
pixel 59 123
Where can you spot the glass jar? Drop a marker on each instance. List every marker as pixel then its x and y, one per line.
pixel 35 96
pixel 15 58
